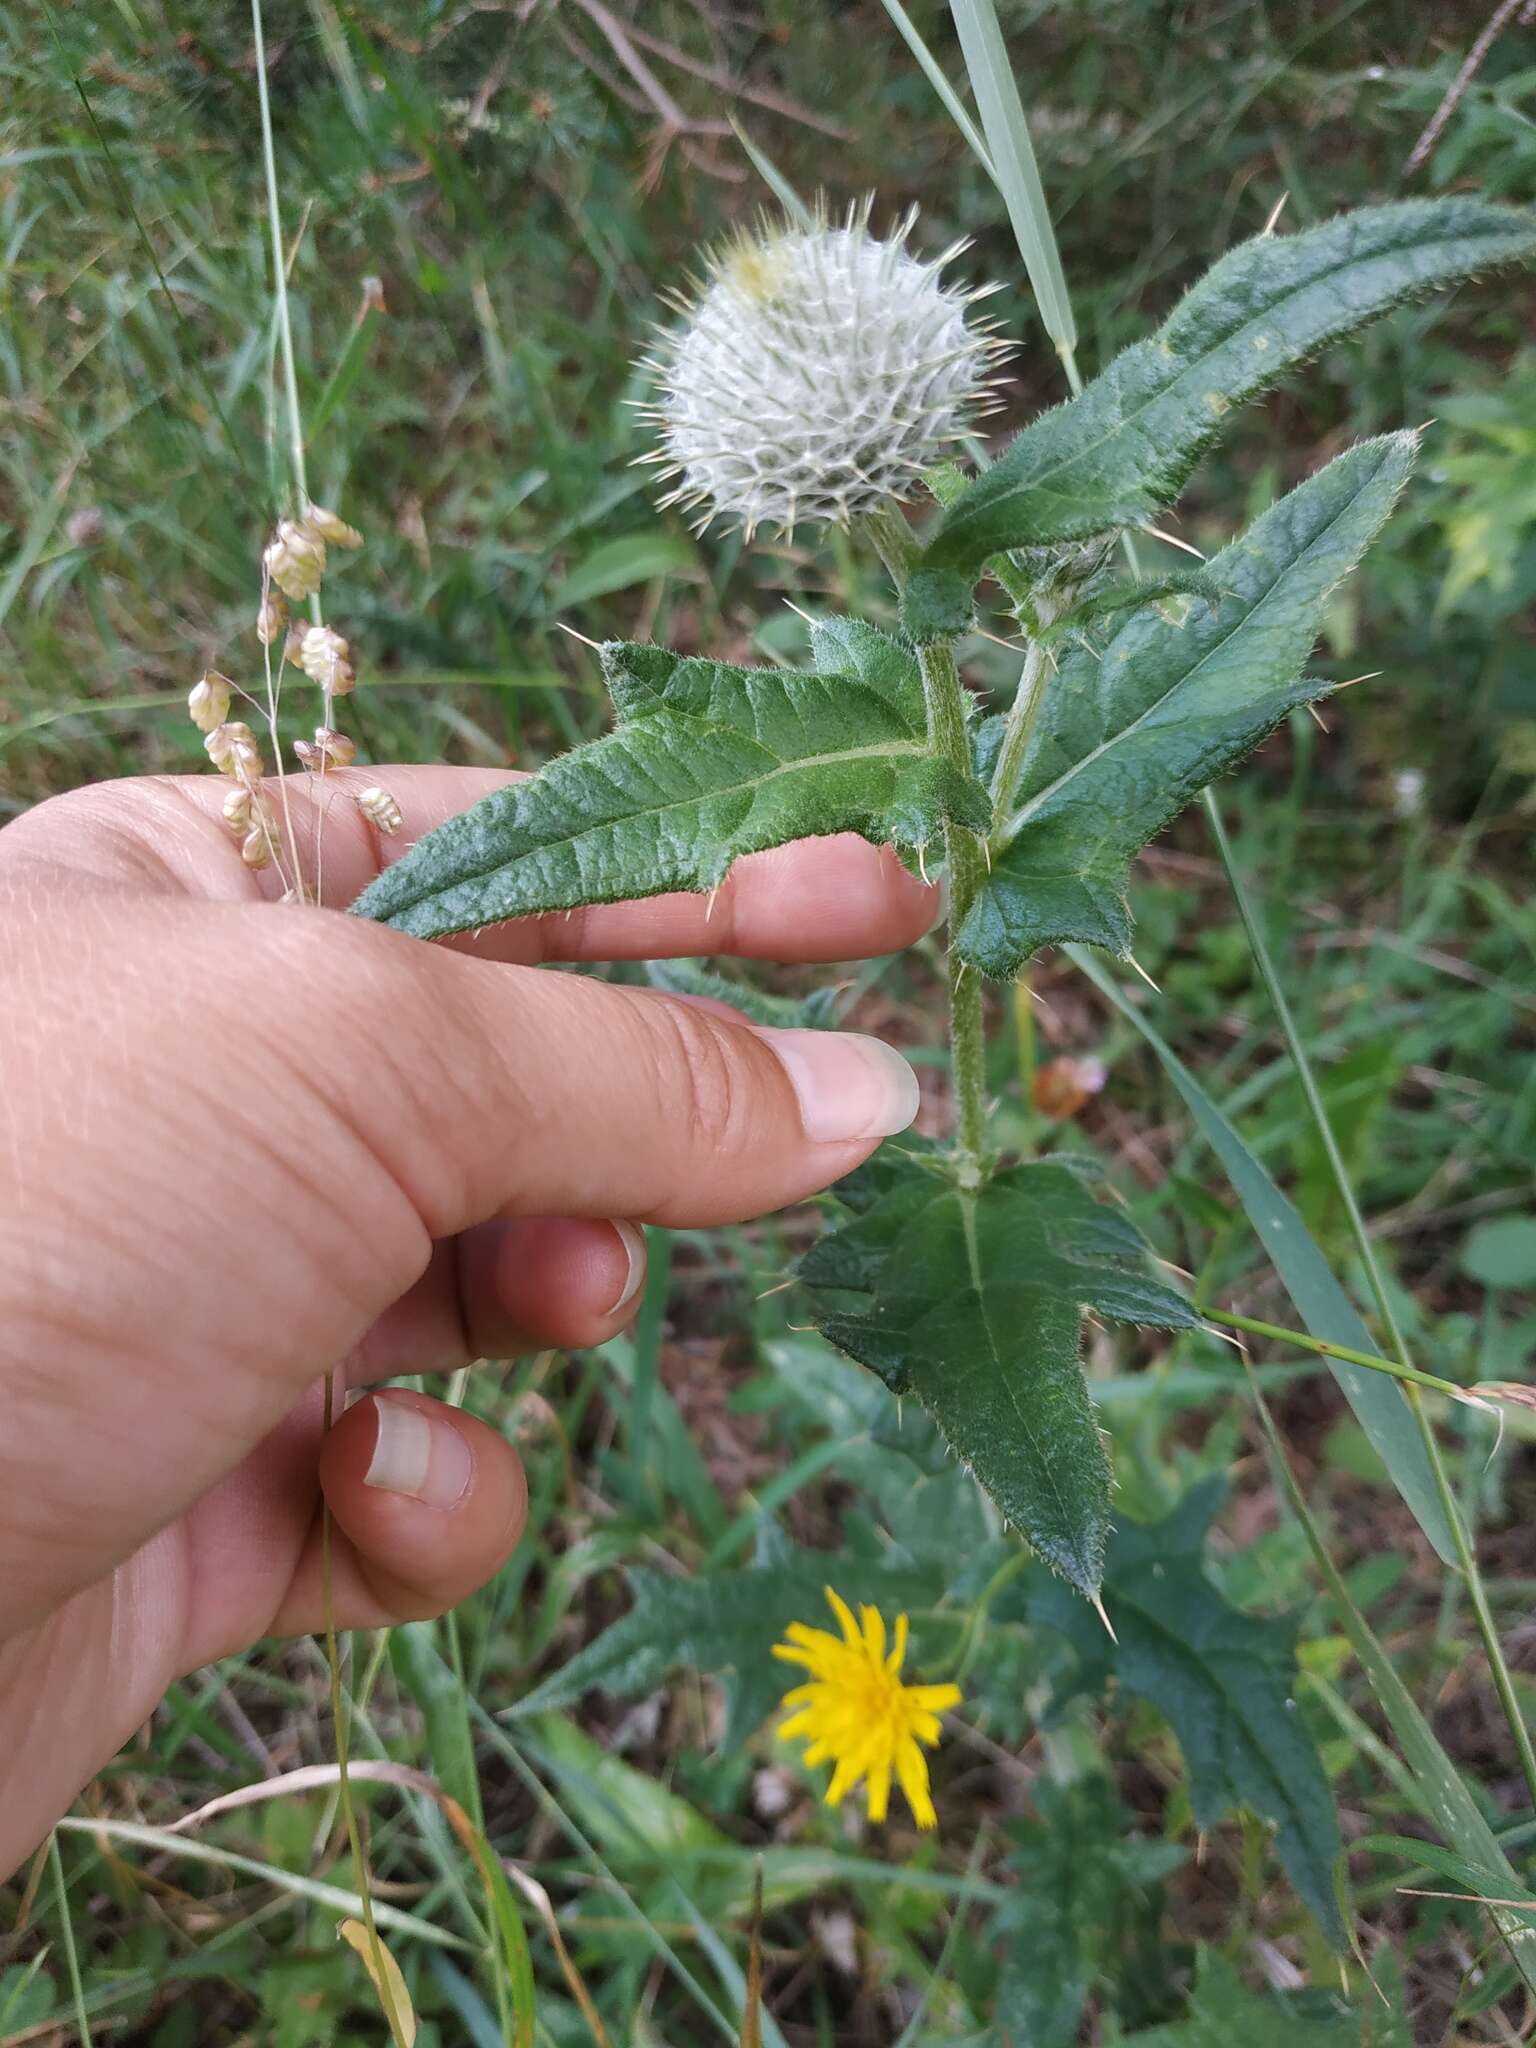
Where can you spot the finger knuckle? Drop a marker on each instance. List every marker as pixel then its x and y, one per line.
pixel 714 1109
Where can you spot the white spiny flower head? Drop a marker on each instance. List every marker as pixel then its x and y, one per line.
pixel 817 373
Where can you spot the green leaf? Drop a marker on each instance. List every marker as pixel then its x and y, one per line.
pixel 1125 740
pixel 1087 1914
pixel 707 762
pixel 725 1624
pixel 620 564
pixel 1225 1681
pixel 1223 2010
pixel 633 1818
pixel 1115 596
pixel 1501 1252
pixel 813 1012
pixel 1479 1882
pixel 1320 1301
pixel 973 1301
pixel 1125 446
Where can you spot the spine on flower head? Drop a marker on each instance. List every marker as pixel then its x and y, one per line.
pixel 817 374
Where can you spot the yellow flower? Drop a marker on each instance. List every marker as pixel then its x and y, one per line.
pixel 856 1711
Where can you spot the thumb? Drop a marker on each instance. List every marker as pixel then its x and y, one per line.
pixel 518 1091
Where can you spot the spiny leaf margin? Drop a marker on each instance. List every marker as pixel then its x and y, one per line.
pixel 1127 738
pixel 972 1301
pixel 706 762
pixel 1126 445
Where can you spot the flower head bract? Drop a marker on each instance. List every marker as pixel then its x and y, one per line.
pixel 856 1713
pixel 816 375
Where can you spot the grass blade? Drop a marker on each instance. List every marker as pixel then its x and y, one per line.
pixel 1016 171
pixel 793 205
pixel 929 65
pixel 67 1937
pixel 335 1898
pixel 1465 1556
pixel 1443 1797
pixel 1320 1301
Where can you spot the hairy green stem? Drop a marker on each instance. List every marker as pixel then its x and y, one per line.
pixel 1465 1555
pixel 944 696
pixel 1023 714
pixel 893 541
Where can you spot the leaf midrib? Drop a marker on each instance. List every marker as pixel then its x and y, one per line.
pixel 886 749
pixel 1041 479
pixel 967 1204
pixel 1021 817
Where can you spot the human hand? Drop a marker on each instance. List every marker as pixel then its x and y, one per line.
pixel 242 1144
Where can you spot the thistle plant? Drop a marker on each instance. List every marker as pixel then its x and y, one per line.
pixel 820 374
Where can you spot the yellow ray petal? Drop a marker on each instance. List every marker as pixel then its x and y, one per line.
pixel 879 1788
pixel 874 1632
pixel 933 1699
pixel 912 1770
pixel 840 1608
pixel 898 1655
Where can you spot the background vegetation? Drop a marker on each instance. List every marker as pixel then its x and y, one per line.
pixel 486 203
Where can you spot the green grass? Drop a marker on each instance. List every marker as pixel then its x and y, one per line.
pixel 475 427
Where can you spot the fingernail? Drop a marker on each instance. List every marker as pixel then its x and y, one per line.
pixel 632 1237
pixel 420 1453
pixel 848 1086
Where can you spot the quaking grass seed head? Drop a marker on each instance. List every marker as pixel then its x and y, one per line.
pixel 381 810
pixel 272 619
pixel 331 528
pixel 817 373
pixel 232 749
pixel 208 701
pixel 323 658
pixel 295 559
pixel 329 749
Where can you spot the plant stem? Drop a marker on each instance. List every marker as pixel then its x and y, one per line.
pixel 1465 1556
pixel 279 262
pixel 1305 1342
pixel 1023 715
pixel 944 696
pixel 893 541
pixel 341 1739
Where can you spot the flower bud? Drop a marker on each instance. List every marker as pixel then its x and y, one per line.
pixel 323 657
pixel 330 527
pixel 381 810
pixel 818 374
pixel 295 559
pixel 208 701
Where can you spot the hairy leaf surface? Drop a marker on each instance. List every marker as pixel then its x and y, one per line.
pixel 1224 1680
pixel 973 1302
pixel 1125 446
pixel 707 762
pixel 1126 739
